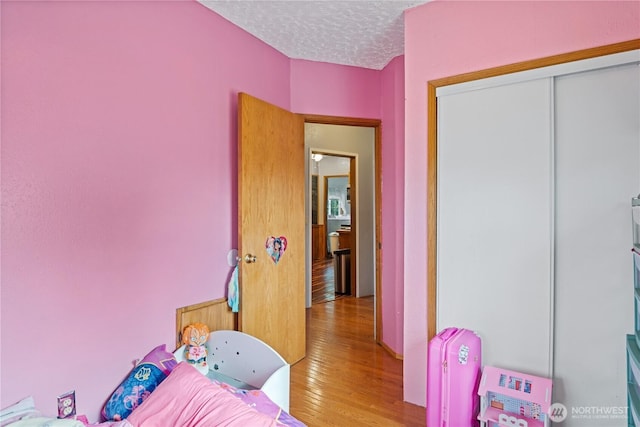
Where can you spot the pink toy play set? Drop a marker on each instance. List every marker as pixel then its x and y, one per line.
pixel 509 398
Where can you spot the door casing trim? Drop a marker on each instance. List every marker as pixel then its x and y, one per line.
pixel 377 125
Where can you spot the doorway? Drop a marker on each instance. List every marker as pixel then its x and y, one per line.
pixel 359 140
pixel 333 232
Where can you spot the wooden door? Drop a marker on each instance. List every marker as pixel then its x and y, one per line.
pixel 271 206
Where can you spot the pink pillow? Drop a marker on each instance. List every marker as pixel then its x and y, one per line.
pixel 189 399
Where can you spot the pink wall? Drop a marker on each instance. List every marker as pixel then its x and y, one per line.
pixel 445 38
pixel 334 90
pixel 393 203
pixel 118 182
pixel 119 177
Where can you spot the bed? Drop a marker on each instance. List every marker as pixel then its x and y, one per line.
pixel 246 363
pixel 247 383
pixel 187 398
pixel 238 359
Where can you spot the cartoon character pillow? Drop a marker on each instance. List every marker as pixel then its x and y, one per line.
pixel 139 384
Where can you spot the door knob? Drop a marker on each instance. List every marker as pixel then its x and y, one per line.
pixel 249 259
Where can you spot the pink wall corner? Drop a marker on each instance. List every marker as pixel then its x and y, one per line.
pixel 334 90
pixel 393 203
pixel 118 182
pixel 445 38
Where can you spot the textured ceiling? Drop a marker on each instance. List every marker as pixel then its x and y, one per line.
pixel 361 33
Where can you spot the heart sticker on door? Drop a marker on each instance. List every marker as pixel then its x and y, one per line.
pixel 276 247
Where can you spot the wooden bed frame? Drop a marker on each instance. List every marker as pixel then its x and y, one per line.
pixel 216 314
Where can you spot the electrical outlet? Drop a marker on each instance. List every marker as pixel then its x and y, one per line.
pixel 67 404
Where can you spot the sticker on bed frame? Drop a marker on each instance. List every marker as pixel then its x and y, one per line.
pixel 276 247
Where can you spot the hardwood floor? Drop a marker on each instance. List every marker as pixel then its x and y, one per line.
pixel 322 281
pixel 346 379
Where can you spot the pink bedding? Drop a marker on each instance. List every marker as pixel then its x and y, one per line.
pixel 187 398
pixel 198 403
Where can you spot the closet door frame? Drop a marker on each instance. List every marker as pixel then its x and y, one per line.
pixel 522 70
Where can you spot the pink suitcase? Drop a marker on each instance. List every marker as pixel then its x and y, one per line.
pixel 453 369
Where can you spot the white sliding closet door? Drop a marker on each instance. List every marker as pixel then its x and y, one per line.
pixel 598 171
pixel 494 221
